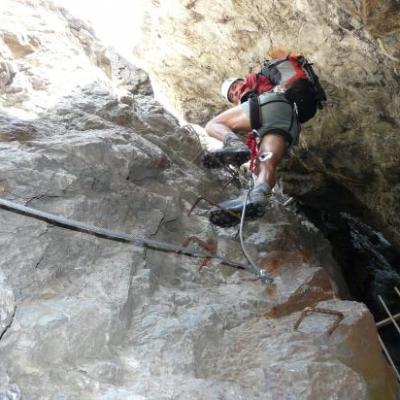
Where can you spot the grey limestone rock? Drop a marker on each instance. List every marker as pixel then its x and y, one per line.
pixel 97 319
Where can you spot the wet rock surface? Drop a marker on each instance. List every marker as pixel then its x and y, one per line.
pixel 88 318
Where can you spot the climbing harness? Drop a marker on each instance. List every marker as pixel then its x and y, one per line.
pixel 117 236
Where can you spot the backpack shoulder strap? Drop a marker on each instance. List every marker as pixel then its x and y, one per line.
pixel 255 114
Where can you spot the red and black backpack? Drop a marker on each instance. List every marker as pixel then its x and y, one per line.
pixel 299 83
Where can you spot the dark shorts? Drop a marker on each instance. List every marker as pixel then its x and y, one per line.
pixel 278 116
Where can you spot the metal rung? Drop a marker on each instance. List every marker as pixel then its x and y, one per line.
pixel 392 319
pixel 387 321
pixel 309 310
pixel 389 314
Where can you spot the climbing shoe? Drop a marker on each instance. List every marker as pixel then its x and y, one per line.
pixel 234 152
pixel 228 213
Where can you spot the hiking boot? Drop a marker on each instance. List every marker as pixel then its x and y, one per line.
pixel 228 213
pixel 234 152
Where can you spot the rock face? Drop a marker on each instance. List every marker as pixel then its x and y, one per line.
pixel 88 318
pixel 189 47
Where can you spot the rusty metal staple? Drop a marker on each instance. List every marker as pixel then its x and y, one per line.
pixel 310 310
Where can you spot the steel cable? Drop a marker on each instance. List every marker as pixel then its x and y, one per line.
pixel 116 236
pixel 261 273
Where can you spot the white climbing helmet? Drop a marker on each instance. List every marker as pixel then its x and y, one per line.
pixel 226 85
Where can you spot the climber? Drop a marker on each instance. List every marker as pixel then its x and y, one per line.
pixel 285 93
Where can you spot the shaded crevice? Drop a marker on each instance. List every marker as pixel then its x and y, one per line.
pixel 8 326
pixel 39 261
pixel 133 299
pixel 41 197
pixel 370 263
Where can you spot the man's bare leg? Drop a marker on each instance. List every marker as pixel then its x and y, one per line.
pixel 271 152
pixel 272 149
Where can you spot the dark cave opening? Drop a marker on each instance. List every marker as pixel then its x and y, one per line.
pixel 369 263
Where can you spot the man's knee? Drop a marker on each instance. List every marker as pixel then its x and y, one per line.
pixel 272 147
pixel 209 126
pixel 265 156
pixel 269 160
